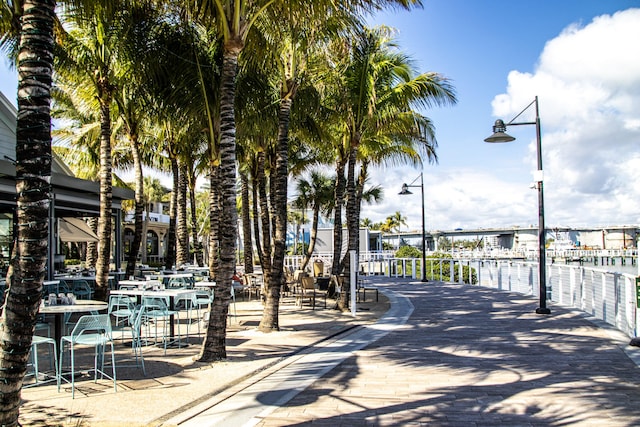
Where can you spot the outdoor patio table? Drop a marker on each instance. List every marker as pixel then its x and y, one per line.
pixel 165 278
pixel 138 284
pixel 59 311
pixel 206 284
pixel 172 294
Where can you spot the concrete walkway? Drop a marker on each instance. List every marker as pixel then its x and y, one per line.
pixel 447 355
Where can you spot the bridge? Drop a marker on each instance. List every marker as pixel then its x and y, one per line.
pixel 525 238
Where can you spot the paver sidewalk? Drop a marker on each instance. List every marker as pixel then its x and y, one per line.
pixel 471 356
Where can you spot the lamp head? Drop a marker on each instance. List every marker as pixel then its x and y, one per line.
pixel 405 190
pixel 499 134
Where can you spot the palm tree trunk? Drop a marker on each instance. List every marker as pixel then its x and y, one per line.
pixel 33 174
pixel 145 227
pixel 313 237
pixel 214 345
pixel 92 247
pixel 246 224
pixel 214 226
pixel 337 218
pixel 257 180
pixel 134 249
pixel 170 261
pixel 265 217
pixel 197 246
pixel 106 192
pixel 352 228
pixel 275 279
pixel 182 231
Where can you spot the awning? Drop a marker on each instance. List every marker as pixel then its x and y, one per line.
pixel 75 230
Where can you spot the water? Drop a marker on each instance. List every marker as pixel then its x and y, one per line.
pixel 618 267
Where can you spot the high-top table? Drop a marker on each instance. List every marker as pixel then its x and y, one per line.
pixel 172 294
pixel 58 311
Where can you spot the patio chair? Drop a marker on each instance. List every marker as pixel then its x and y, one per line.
pixel 36 341
pixel 93 330
pixel 135 320
pixel 203 297
pixel 121 307
pixel 82 290
pixel 308 292
pixel 187 304
pixel 156 311
pixel 297 277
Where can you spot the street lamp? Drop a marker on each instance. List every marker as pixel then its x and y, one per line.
pixel 405 190
pixel 500 135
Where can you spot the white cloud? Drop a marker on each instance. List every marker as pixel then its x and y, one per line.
pixel 453 199
pixel 588 84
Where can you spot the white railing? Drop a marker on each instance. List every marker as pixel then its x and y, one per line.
pixel 607 295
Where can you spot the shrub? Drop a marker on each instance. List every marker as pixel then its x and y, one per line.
pixel 408 252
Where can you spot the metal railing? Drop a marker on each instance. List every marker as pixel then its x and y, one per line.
pixel 607 295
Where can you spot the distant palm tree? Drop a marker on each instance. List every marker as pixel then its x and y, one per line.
pixel 395 222
pixel 366 223
pixel 316 193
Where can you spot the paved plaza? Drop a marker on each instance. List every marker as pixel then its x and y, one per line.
pixel 469 356
pixel 442 355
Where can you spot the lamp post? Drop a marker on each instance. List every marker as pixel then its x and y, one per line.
pixel 405 190
pixel 500 135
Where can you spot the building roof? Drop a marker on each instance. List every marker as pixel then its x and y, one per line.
pixel 71 196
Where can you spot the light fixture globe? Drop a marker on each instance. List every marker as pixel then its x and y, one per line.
pixel 499 134
pixel 405 190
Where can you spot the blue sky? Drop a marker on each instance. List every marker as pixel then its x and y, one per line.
pixel 500 54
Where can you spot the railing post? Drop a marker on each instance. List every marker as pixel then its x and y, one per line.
pixel 452 270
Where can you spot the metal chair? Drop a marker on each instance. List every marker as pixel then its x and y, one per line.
pixel 37 340
pixel 202 297
pixel 310 292
pixel 156 310
pixel 121 307
pixel 90 330
pixel 82 290
pixel 135 320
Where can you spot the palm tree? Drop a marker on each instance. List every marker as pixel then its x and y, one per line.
pixel 34 23
pixel 395 221
pixel 380 91
pixel 153 191
pixel 92 48
pixel 316 193
pixel 366 223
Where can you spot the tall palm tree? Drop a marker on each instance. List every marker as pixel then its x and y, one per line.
pixel 396 221
pixel 380 90
pixel 153 191
pixel 234 19
pixel 92 47
pixel 33 175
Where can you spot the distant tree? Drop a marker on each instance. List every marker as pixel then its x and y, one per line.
pixel 316 193
pixel 366 223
